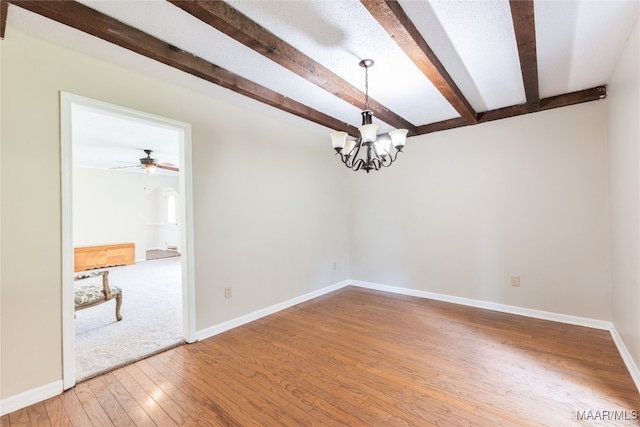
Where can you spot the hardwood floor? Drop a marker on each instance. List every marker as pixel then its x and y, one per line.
pixel 364 358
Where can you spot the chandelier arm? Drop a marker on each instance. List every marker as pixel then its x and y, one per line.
pixel 376 164
pixel 358 146
pixel 356 149
pixel 392 159
pixel 357 165
pixel 396 155
pixel 344 158
pixel 386 161
pixel 350 161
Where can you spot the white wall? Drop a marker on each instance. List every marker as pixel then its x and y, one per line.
pixel 623 117
pixel 269 200
pixel 278 216
pixel 112 206
pixel 463 210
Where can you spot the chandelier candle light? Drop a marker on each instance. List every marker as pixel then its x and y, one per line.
pixel 370 151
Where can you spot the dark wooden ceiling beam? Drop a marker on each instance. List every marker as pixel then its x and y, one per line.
pixel 396 22
pixel 592 94
pixel 90 21
pixel 524 26
pixel 4 10
pixel 578 97
pixel 503 113
pixel 587 95
pixel 443 125
pixel 229 21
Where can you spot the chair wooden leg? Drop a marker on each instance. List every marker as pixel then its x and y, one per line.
pixel 118 304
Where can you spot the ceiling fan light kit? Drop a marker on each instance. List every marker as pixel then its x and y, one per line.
pixel 370 151
pixel 149 164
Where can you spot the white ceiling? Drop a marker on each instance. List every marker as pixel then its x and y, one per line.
pixel 111 141
pixel 578 44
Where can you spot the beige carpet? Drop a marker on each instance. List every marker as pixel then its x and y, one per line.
pixel 151 318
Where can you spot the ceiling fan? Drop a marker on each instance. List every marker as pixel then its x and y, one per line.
pixel 150 165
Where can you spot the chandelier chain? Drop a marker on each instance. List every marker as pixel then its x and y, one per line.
pixel 366 88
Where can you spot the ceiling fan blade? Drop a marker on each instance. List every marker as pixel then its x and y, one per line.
pixel 125 167
pixel 167 166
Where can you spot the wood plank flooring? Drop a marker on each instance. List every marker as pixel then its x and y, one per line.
pixel 364 358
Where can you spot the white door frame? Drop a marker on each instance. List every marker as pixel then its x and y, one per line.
pixel 185 195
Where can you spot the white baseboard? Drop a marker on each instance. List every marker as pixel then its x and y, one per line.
pixel 504 308
pixel 233 323
pixel 30 397
pixel 528 312
pixel 626 357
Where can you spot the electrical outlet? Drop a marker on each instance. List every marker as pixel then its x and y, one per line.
pixel 515 280
pixel 227 292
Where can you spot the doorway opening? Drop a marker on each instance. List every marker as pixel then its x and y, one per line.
pixel 119 167
pixel 164 240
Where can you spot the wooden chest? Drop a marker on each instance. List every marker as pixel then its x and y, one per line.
pixel 88 257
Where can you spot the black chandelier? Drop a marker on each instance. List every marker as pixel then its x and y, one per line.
pixel 370 151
